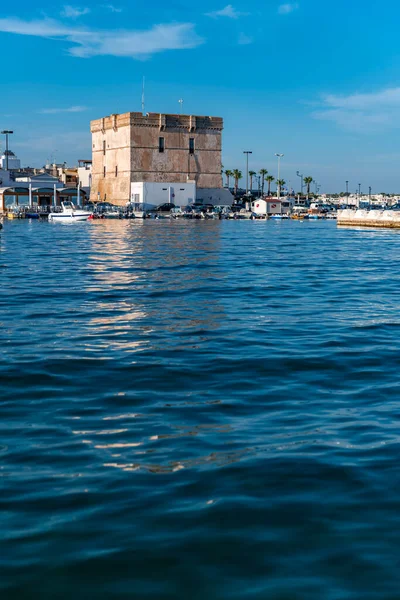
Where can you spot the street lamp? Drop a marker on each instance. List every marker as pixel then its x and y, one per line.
pixel 300 175
pixel 247 152
pixel 347 192
pixel 279 174
pixel 7 132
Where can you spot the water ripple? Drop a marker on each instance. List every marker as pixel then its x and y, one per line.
pixel 199 410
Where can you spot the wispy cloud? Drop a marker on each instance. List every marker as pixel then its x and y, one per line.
pixel 73 12
pixel 371 112
pixel 95 42
pixel 244 39
pixel 112 8
pixel 228 11
pixel 55 111
pixel 289 7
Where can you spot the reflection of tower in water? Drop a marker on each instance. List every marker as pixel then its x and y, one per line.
pixel 154 288
pixel 154 283
pixel 181 259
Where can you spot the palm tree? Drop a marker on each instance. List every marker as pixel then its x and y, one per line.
pixel 270 179
pixel 279 184
pixel 308 181
pixel 228 174
pixel 263 173
pixel 237 175
pixel 251 175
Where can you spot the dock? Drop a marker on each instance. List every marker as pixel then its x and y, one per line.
pixel 369 218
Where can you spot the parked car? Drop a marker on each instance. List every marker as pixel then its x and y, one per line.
pixel 164 208
pixel 102 207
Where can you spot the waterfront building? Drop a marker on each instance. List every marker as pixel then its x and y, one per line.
pixel 13 161
pixel 182 152
pixel 40 191
pixel 85 175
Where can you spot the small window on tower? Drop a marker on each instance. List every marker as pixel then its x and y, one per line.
pixel 104 146
pixel 161 144
pixel 116 170
pixel 191 145
pixel 104 171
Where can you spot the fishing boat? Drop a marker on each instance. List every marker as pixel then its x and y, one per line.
pixel 69 214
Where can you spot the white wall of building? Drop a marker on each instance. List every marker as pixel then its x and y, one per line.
pixel 5 180
pixel 215 196
pixel 13 162
pixel 85 176
pixel 154 194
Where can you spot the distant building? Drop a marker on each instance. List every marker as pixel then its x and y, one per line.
pixel 13 161
pixel 173 150
pixel 85 174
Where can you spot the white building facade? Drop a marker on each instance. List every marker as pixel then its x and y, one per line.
pixel 13 162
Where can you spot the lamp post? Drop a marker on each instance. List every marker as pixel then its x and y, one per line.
pixel 279 173
pixel 247 152
pixel 347 192
pixel 7 132
pixel 369 196
pixel 300 175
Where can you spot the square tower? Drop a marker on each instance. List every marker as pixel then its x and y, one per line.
pixel 155 148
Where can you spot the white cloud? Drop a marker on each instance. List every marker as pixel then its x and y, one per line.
pixel 73 12
pixel 244 39
pixel 55 111
pixel 370 112
pixel 286 9
pixel 229 11
pixel 96 42
pixel 112 8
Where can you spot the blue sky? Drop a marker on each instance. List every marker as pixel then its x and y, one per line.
pixel 317 81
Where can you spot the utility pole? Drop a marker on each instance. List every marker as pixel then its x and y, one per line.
pixel 143 103
pixel 300 175
pixel 247 152
pixel 279 174
pixel 7 132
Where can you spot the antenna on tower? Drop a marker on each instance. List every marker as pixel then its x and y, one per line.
pixel 143 96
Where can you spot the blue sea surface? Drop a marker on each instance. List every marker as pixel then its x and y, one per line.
pixel 199 410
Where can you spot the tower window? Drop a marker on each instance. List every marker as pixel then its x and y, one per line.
pixel 161 144
pixel 104 171
pixel 104 146
pixel 191 145
pixel 116 170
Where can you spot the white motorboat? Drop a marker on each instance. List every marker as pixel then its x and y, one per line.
pixel 69 213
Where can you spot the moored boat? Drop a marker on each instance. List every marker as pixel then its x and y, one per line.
pixel 69 214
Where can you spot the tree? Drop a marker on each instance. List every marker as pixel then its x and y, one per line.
pixel 228 174
pixel 237 175
pixel 308 181
pixel 279 184
pixel 270 179
pixel 251 175
pixel 263 173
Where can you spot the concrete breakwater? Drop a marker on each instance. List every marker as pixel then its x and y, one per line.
pixel 369 218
